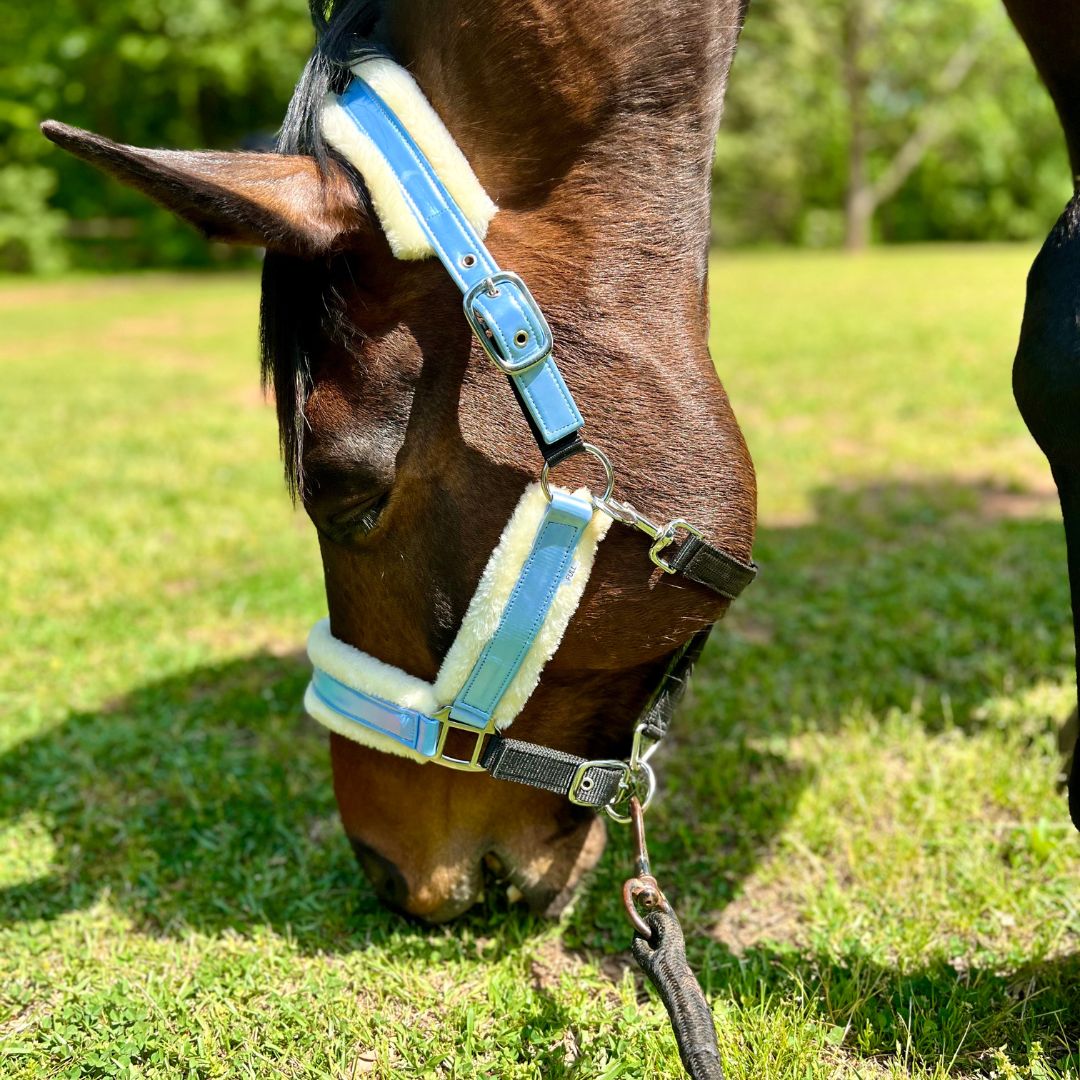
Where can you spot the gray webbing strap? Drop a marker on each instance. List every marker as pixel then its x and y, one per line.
pixel 656 716
pixel 551 770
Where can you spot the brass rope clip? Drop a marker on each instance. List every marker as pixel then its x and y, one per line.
pixel 642 889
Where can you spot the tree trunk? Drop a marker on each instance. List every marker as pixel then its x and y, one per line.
pixel 863 195
pixel 859 208
pixel 858 198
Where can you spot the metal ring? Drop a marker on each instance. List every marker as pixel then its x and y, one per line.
pixel 650 790
pixel 594 451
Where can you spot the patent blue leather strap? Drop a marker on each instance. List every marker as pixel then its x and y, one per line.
pixel 550 562
pixel 498 305
pixel 547 566
pixel 407 726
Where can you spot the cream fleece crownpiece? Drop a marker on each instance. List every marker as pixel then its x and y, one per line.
pixel 364 672
pixel 399 90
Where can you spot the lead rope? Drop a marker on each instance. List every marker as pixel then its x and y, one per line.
pixel 660 951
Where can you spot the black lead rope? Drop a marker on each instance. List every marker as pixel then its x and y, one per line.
pixel 662 956
pixel 660 951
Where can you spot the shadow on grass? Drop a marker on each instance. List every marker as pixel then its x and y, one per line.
pixel 939 592
pixel 204 801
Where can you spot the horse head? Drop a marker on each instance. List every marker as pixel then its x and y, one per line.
pixel 591 126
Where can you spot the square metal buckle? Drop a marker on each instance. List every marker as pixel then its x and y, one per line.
pixel 446 725
pixel 583 783
pixel 541 349
pixel 665 537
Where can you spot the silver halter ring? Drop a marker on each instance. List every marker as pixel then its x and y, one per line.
pixel 632 785
pixel 594 451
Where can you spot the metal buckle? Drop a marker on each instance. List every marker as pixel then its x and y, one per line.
pixel 583 783
pixel 661 535
pixel 609 474
pixel 446 725
pixel 630 784
pixel 543 347
pixel 630 787
pixel 667 536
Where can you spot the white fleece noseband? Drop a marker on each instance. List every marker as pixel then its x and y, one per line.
pixel 358 669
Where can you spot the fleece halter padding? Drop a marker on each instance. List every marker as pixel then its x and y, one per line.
pixel 399 90
pixel 357 669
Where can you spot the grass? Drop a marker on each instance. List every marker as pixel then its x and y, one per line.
pixel 860 822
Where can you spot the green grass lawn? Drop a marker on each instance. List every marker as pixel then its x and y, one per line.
pixel 860 822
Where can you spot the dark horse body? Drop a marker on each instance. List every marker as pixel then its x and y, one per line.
pixel 592 125
pixel 1046 374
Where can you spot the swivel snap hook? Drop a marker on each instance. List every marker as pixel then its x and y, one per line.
pixel 641 889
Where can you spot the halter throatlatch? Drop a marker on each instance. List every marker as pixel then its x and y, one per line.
pixel 430 202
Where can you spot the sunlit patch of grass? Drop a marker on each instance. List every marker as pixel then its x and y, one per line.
pixel 860 822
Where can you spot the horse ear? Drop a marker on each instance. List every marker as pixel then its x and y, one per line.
pixel 278 201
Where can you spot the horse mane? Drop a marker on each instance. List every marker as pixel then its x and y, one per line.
pixel 298 303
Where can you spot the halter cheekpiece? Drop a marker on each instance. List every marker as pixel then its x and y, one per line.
pixel 430 202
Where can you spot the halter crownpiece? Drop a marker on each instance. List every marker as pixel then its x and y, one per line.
pixel 430 202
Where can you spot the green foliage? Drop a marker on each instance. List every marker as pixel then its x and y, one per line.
pixel 30 228
pixel 996 170
pixel 858 821
pixel 218 73
pixel 209 73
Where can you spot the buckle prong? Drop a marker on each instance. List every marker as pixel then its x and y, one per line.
pixel 489 286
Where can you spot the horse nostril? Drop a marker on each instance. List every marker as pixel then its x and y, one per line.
pixel 386 879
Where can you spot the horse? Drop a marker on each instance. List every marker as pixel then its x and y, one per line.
pixel 591 126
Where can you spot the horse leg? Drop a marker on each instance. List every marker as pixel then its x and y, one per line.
pixel 1046 373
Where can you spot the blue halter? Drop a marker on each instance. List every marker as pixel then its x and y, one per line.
pixel 515 336
pixel 501 310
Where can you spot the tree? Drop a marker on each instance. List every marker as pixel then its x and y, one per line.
pixel 205 74
pixel 839 110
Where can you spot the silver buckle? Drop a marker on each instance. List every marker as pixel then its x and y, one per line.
pixel 446 725
pixel 633 771
pixel 490 285
pixel 630 787
pixel 661 535
pixel 583 782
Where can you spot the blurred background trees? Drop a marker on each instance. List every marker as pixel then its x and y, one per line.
pixel 848 121
pixel 203 73
pixel 892 120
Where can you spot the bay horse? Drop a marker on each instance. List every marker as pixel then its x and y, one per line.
pixel 591 125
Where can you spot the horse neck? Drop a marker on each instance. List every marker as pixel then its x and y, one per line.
pixel 594 121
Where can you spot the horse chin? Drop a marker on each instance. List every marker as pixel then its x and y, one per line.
pixel 432 841
pixel 546 882
pixel 549 880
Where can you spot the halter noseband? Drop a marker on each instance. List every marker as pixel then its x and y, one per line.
pixel 553 534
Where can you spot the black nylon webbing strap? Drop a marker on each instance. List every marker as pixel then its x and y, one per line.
pixel 656 716
pixel 551 770
pixel 707 565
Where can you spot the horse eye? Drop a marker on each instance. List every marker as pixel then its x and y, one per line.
pixel 345 501
pixel 347 516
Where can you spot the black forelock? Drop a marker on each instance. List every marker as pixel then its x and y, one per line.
pixel 296 300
